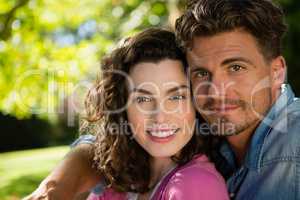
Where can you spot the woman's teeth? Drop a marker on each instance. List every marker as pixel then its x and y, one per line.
pixel 162 134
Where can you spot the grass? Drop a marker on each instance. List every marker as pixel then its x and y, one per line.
pixel 22 171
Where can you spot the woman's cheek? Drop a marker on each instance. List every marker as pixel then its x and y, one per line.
pixel 136 120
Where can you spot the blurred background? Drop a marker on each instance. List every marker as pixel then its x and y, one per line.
pixel 49 56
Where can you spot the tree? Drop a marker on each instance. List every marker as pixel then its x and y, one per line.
pixel 51 49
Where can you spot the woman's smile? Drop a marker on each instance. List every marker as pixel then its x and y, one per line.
pixel 161 135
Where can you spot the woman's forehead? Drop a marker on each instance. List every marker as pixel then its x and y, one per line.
pixel 158 76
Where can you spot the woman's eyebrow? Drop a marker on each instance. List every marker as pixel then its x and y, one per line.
pixel 139 90
pixel 176 88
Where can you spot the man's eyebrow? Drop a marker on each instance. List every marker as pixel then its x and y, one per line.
pixel 139 90
pixel 173 89
pixel 196 68
pixel 237 59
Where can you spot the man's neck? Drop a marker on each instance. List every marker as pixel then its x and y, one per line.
pixel 240 143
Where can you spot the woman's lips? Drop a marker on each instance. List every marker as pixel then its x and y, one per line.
pixel 161 135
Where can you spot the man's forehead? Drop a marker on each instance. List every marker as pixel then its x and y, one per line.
pixel 195 56
pixel 235 43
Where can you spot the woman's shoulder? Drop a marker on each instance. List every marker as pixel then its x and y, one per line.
pixel 197 179
pixel 200 165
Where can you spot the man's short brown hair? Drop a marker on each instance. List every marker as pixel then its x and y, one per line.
pixel 261 18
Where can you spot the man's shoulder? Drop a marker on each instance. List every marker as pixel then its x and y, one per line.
pixel 287 123
pixel 283 141
pixel 84 139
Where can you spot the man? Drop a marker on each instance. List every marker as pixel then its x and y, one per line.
pixel 237 71
pixel 233 48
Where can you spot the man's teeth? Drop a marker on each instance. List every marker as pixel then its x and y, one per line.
pixel 162 133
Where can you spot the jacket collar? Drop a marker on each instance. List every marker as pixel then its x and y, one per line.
pixel 254 155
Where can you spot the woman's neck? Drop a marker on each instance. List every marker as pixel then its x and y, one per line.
pixel 159 167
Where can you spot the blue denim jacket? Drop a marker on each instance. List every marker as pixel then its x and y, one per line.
pixel 271 169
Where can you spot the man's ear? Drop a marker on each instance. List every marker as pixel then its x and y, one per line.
pixel 278 73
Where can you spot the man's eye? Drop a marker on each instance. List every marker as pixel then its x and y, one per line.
pixel 201 74
pixel 177 97
pixel 235 68
pixel 143 99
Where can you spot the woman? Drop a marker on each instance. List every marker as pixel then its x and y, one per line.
pixel 142 113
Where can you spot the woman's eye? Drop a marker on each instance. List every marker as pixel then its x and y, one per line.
pixel 177 97
pixel 143 99
pixel 235 68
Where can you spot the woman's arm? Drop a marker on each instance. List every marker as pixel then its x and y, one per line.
pixel 71 177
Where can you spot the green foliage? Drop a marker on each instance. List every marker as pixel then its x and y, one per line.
pixel 47 48
pixel 291 45
pixel 22 171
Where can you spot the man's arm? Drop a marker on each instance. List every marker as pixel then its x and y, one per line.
pixel 71 177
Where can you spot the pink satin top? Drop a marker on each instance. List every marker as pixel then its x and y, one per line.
pixel 198 179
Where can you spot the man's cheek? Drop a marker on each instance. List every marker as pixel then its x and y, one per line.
pixel 200 106
pixel 201 87
pixel 200 95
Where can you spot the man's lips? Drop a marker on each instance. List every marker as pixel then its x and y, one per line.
pixel 223 109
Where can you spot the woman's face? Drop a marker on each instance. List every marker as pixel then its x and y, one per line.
pixel 160 111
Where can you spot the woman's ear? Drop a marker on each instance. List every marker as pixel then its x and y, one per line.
pixel 278 73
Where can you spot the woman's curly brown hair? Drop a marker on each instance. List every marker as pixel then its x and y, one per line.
pixel 122 162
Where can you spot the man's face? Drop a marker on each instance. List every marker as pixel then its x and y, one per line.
pixel 233 85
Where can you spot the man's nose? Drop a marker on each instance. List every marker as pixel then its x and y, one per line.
pixel 219 85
